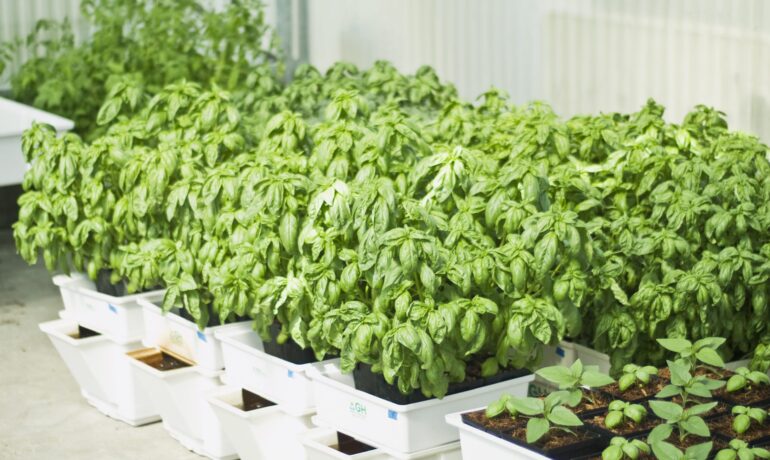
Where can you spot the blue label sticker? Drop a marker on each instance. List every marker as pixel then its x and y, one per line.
pixel 393 415
pixel 290 373
pixel 113 308
pixel 201 336
pixel 560 351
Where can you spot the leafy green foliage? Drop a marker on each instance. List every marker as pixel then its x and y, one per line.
pixel 574 378
pixel 745 378
pixel 635 375
pixel 621 448
pixel 620 412
pixel 150 43
pixel 542 415
pixel 739 449
pixel 744 417
pixel 685 385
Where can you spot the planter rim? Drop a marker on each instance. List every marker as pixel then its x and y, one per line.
pixel 164 375
pixel 150 305
pixel 312 439
pixel 455 419
pixel 316 374
pixel 217 397
pixel 228 336
pixel 28 114
pixel 54 329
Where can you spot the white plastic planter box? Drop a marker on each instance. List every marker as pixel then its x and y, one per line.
pixel 396 429
pixel 182 337
pixel 118 317
pixel 477 444
pixel 261 434
pixel 318 446
pixel 563 354
pixel 248 366
pixel 14 119
pixel 103 373
pixel 180 397
pixel 591 357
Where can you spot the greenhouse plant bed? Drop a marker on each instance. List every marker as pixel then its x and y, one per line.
pixel 757 434
pixel 248 366
pixel 476 443
pixel 257 428
pixel 119 317
pixel 328 444
pixel 392 427
pixel 173 333
pixel 102 371
pixel 179 390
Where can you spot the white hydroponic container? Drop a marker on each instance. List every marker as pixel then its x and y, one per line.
pixel 182 337
pixel 118 317
pixel 563 354
pixel 14 119
pixel 248 366
pixel 477 444
pixel 319 445
pixel 180 397
pixel 591 357
pixel 103 373
pixel 396 429
pixel 261 434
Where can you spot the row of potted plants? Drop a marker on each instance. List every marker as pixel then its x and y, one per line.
pixel 693 408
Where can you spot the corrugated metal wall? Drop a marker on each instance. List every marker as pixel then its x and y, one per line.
pixel 579 55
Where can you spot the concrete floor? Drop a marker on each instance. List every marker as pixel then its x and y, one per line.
pixel 42 414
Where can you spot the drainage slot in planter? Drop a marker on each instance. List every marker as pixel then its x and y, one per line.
pixel 349 445
pixel 161 360
pixel 83 333
pixel 252 401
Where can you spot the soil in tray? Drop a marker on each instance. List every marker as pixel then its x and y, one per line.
pixel 164 362
pixel 724 426
pixel 252 401
pixel 559 444
pixel 349 445
pixel 754 395
pixel 689 441
pixel 593 401
pixel 635 392
pixel 627 429
pixel 499 424
pixel 84 333
pixel 712 373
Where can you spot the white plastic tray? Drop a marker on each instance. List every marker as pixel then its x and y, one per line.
pixel 261 434
pixel 118 317
pixel 477 444
pixel 180 397
pixel 103 373
pixel 173 333
pixel 248 366
pixel 318 446
pixel 396 429
pixel 14 119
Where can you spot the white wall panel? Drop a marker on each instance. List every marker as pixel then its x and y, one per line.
pixel 579 55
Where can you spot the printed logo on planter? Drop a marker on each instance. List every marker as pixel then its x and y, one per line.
pixel 357 409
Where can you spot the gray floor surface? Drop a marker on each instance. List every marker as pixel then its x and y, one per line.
pixel 42 414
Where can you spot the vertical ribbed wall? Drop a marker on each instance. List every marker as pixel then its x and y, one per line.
pixel 579 55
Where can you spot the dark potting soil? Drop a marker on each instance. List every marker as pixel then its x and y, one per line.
pixel 751 395
pixel 252 401
pixel 627 429
pixel 559 444
pixel 636 392
pixel 712 373
pixel 349 445
pixel 689 441
pixel 84 333
pixel 758 432
pixel 375 384
pixel 163 361
pixel 500 424
pixel 593 401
